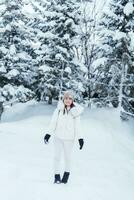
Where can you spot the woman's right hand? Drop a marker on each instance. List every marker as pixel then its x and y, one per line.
pixel 46 138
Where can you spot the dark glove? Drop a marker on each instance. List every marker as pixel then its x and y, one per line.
pixel 81 143
pixel 46 138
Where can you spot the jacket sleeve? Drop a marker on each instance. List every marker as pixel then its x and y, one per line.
pixel 53 122
pixel 78 128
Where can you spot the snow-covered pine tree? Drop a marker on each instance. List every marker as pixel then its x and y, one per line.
pixel 127 90
pixel 16 52
pixel 41 47
pixel 113 30
pixel 58 66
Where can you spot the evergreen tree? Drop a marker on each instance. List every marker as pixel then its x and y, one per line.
pixel 127 90
pixel 58 66
pixel 115 28
pixel 16 52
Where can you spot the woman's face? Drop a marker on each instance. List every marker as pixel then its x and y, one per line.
pixel 68 101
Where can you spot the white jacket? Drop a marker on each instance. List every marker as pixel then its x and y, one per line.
pixel 66 126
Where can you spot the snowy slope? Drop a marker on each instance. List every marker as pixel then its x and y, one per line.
pixel 103 170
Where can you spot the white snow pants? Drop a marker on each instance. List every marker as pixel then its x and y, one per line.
pixel 66 147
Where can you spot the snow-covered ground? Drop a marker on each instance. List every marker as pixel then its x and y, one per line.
pixel 103 170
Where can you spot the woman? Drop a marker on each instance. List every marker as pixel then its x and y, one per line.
pixel 65 125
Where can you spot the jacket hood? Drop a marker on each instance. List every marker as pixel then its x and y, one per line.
pixel 75 111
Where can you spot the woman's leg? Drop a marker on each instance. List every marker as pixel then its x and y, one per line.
pixel 68 146
pixel 58 148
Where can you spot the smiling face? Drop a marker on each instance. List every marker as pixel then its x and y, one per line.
pixel 68 101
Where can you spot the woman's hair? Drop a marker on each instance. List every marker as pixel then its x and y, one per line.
pixel 71 106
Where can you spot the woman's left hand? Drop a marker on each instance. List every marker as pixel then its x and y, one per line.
pixel 81 143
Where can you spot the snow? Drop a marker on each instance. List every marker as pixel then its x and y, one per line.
pixel 26 42
pixel 62 49
pixel 35 45
pixel 68 22
pixel 2 7
pixel 12 49
pixel 66 36
pixel 131 35
pixel 15 93
pixel 110 13
pixel 80 87
pixel 46 35
pixel 3 69
pixel 83 68
pixel 8 27
pixel 12 73
pixel 8 89
pixel 102 170
pixel 38 6
pixel 99 61
pixel 53 14
pixel 2 30
pixel 129 8
pixel 68 70
pixel 2 99
pixel 45 68
pixel 119 35
pixel 3 49
pixel 107 32
pixel 28 10
pixel 24 55
pixel 59 56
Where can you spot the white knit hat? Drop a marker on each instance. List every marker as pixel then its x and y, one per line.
pixel 68 93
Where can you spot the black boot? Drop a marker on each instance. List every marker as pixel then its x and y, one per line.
pixel 65 177
pixel 57 178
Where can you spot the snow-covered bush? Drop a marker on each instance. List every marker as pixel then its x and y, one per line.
pixel 15 94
